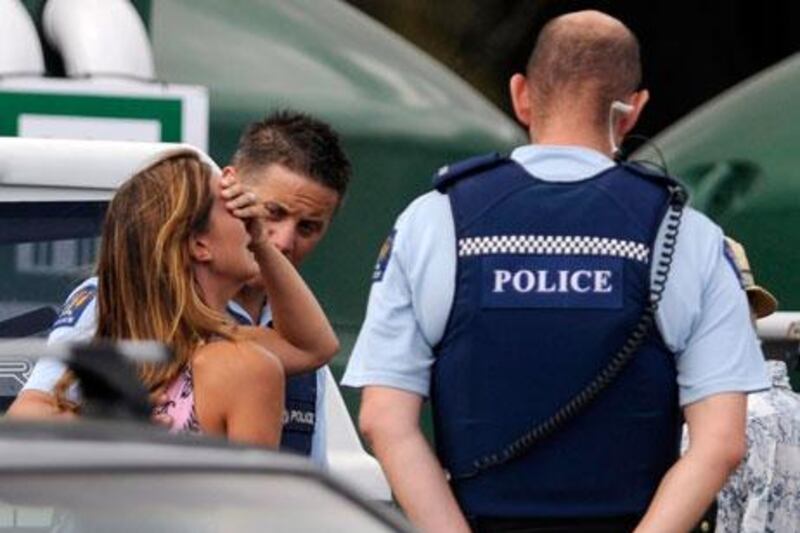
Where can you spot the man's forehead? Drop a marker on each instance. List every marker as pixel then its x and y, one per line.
pixel 275 175
pixel 300 208
pixel 300 205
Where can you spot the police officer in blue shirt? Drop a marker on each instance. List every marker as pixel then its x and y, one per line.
pixel 296 166
pixel 562 312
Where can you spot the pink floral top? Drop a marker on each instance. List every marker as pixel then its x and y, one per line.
pixel 180 405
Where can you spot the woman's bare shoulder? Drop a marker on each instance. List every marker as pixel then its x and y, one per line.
pixel 235 362
pixel 237 384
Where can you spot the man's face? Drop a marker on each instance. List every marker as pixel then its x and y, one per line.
pixel 299 209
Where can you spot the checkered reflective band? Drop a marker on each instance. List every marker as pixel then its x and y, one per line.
pixel 553 245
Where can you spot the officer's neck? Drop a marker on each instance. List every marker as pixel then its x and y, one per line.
pixel 252 301
pixel 564 137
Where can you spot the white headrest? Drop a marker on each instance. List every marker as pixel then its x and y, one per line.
pixel 99 38
pixel 20 49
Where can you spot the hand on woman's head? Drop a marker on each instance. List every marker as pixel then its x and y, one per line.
pixel 244 203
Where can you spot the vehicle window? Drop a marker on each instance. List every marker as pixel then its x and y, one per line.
pixel 180 502
pixel 25 519
pixel 46 249
pixel 37 274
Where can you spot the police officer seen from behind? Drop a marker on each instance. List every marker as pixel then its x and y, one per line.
pixel 504 292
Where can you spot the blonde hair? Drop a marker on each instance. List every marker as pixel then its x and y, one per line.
pixel 146 289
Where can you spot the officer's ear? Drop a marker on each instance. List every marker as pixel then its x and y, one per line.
pixel 520 98
pixel 637 101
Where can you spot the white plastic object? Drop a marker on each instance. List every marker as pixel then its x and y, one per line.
pixel 621 107
pixel 781 326
pixel 345 457
pixel 138 351
pixel 99 38
pixel 42 166
pixel 20 49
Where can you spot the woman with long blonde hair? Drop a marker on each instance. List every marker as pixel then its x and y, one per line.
pixel 178 243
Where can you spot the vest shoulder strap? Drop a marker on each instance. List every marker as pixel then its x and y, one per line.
pixel 450 174
pixel 659 177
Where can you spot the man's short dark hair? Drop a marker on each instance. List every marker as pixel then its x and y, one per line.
pixel 299 142
pixel 573 57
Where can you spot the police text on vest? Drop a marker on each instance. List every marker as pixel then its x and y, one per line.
pixel 546 281
pixel 566 281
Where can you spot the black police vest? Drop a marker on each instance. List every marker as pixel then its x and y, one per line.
pixel 551 279
pixel 300 408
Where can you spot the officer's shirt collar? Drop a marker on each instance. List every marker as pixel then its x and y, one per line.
pixel 561 163
pixel 243 317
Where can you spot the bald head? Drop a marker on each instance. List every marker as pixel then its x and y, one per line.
pixel 587 57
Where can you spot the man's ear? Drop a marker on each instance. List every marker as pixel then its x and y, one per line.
pixel 199 249
pixel 229 171
pixel 520 98
pixel 638 100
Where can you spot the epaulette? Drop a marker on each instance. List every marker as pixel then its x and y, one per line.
pixel 450 174
pixel 659 176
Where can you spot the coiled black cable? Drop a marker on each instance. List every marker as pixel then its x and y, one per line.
pixel 582 399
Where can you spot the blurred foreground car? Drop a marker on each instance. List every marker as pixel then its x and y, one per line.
pixel 98 476
pixel 111 470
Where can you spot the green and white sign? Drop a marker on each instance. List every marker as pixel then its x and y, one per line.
pixel 108 110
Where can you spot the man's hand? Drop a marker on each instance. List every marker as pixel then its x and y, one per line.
pixel 244 203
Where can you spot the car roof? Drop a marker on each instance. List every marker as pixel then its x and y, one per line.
pixel 63 170
pixel 102 443
pixel 91 446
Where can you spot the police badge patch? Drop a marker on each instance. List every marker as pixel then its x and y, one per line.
pixel 75 306
pixel 383 257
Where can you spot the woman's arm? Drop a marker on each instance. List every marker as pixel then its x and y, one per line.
pixel 238 392
pixel 310 341
pixel 296 313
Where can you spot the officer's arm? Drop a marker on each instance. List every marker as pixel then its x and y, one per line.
pixel 36 400
pixel 75 323
pixel 717 445
pixel 389 420
pixel 35 404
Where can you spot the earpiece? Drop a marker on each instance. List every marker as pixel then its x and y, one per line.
pixel 622 107
pixel 619 107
